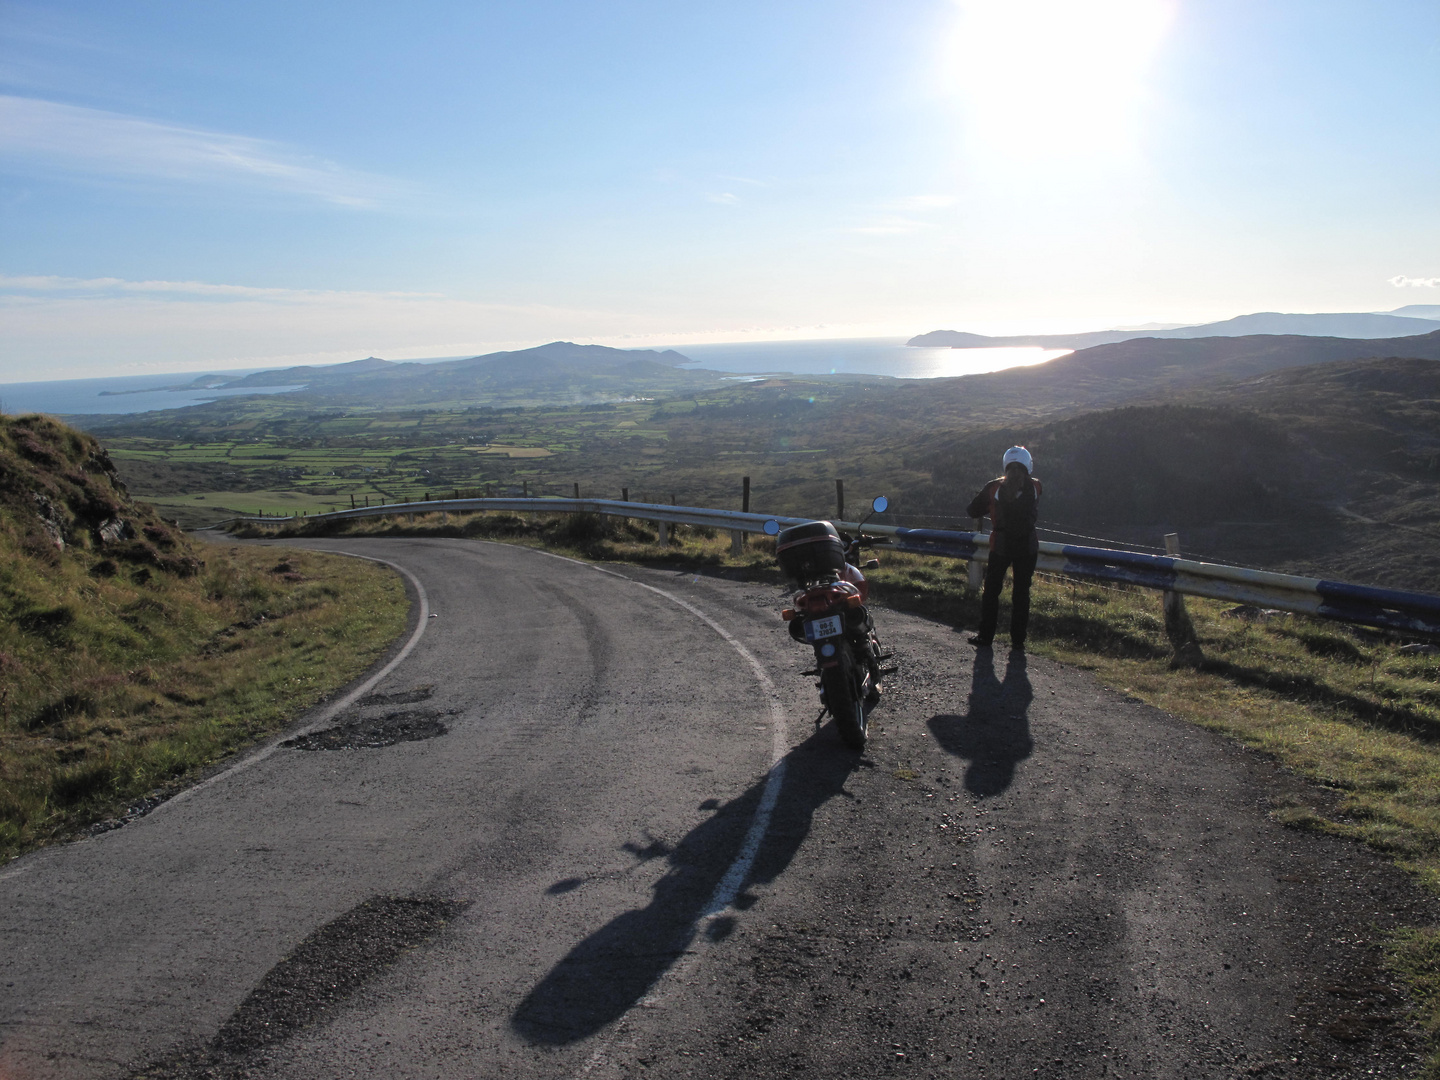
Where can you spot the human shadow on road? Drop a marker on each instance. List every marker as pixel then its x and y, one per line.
pixel 994 733
pixel 606 974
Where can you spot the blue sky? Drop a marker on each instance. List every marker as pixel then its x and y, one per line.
pixel 191 186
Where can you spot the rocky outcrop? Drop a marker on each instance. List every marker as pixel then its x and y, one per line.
pixel 60 497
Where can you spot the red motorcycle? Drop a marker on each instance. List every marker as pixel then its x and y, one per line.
pixel 830 615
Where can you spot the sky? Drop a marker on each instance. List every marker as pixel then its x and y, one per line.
pixel 204 186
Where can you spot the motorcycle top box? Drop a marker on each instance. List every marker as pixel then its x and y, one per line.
pixel 811 551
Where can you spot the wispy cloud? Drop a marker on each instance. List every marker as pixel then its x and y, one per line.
pixel 93 142
pixel 42 284
pixel 899 216
pixel 725 198
pixel 891 226
pixel 911 204
pixel 1400 281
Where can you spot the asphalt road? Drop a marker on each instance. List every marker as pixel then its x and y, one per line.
pixel 584 827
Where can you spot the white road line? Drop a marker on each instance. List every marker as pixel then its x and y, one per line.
pixel 324 717
pixel 334 707
pixel 730 884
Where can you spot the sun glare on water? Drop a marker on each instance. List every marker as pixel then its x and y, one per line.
pixel 1054 79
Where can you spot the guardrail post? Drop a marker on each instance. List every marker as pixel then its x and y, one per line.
pixel 737 537
pixel 1178 627
pixel 975 575
pixel 662 533
pixel 840 500
pixel 577 489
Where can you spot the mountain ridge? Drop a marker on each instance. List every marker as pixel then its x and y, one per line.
pixel 566 352
pixel 1359 325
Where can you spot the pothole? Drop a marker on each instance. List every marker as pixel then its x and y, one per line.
pixel 373 732
pixel 311 984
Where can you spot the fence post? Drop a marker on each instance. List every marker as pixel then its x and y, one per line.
pixel 624 494
pixel 840 500
pixel 737 537
pixel 577 489
pixel 1178 627
pixel 524 489
pixel 352 500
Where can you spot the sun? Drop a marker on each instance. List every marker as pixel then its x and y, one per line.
pixel 1053 79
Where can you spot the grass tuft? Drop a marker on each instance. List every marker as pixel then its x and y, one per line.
pixel 162 679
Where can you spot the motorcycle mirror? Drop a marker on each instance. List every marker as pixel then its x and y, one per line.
pixel 880 505
pixel 771 527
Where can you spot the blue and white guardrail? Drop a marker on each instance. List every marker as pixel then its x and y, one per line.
pixel 1390 609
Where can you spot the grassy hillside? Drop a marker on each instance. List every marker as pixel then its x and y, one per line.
pixel 130 659
pixel 1331 469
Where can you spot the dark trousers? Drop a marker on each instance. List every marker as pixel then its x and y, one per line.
pixel 1023 565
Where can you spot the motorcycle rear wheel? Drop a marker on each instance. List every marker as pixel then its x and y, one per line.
pixel 843 702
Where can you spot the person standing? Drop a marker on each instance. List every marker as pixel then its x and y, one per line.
pixel 1011 502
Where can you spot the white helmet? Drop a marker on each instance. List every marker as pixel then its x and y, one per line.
pixel 1020 454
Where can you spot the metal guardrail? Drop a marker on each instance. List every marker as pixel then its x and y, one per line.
pixel 1389 609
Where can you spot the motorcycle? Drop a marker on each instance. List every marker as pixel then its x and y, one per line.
pixel 829 614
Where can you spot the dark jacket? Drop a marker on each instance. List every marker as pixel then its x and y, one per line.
pixel 1012 517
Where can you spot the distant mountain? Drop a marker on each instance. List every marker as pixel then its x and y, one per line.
pixel 1418 311
pixel 559 373
pixel 565 354
pixel 1325 324
pixel 1150 368
pixel 1331 468
pixel 295 376
pixel 1346 325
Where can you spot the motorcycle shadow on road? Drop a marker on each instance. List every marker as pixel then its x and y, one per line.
pixel 994 733
pixel 605 975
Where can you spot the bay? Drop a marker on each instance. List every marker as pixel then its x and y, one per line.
pixel 123 394
pixel 860 356
pixel 845 356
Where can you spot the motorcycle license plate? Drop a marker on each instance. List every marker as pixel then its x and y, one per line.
pixel 816 629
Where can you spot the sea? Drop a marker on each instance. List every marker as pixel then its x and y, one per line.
pixel 860 356
pixel 746 360
pixel 124 394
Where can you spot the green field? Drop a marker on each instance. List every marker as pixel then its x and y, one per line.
pixel 276 464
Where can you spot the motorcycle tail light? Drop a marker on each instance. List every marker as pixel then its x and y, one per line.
pixel 787 614
pixel 853 601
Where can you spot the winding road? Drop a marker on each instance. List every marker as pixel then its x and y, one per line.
pixel 580 824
